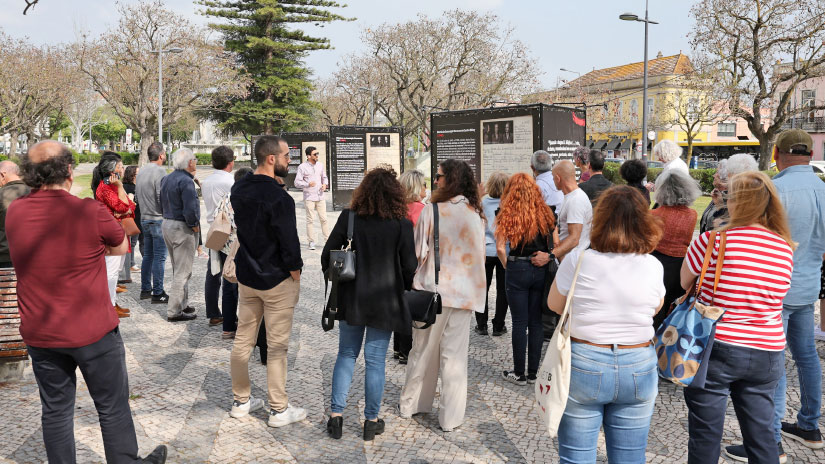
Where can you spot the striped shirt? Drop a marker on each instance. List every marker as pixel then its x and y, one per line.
pixel 756 275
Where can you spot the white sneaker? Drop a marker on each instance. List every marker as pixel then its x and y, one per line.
pixel 311 245
pixel 289 415
pixel 242 409
pixel 819 334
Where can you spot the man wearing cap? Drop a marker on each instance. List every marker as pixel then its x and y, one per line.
pixel 803 195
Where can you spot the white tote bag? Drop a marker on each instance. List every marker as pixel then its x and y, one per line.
pixel 553 378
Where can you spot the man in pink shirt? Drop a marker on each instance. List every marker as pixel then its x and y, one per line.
pixel 312 178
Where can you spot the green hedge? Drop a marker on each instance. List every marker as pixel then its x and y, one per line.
pixel 204 158
pixel 703 176
pixel 3 157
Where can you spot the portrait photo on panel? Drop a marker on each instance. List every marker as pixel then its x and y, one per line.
pixel 494 132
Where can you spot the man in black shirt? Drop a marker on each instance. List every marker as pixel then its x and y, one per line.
pixel 268 265
pixel 597 182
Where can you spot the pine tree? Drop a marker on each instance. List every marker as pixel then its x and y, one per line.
pixel 270 54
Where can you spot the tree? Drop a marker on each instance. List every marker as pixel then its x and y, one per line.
pixel 32 83
pixel 124 71
pixel 747 38
pixel 270 53
pixel 462 59
pixel 695 103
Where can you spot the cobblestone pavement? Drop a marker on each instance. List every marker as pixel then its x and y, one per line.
pixel 181 395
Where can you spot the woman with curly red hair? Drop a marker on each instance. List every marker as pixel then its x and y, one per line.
pixel 526 223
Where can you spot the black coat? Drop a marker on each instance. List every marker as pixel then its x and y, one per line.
pixel 385 264
pixel 595 186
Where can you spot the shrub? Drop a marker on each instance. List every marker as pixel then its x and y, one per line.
pixel 3 157
pixel 703 176
pixel 204 158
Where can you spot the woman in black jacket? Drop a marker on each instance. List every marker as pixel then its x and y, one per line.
pixel 372 303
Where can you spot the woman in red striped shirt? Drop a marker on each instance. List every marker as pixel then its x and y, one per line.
pixel 747 359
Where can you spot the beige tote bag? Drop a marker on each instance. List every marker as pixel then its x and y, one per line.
pixel 553 379
pixel 218 232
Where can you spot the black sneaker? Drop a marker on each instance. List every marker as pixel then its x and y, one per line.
pixel 189 310
pixel 511 377
pixel 531 378
pixel 396 354
pixel 158 456
pixel 810 438
pixel 481 330
pixel 145 295
pixel 737 453
pixel 182 317
pixel 497 332
pixel 163 298
pixel 402 358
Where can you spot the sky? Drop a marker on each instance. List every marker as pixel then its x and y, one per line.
pixel 578 35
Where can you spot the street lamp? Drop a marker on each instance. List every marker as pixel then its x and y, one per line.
pixel 160 53
pixel 570 71
pixel 634 17
pixel 372 103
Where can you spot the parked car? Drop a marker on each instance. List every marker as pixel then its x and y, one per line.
pixel 707 164
pixel 655 164
pixel 819 166
pixel 614 160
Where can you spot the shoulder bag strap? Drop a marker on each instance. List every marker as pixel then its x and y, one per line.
pixel 705 263
pixel 435 244
pixel 350 227
pixel 719 260
pixel 565 315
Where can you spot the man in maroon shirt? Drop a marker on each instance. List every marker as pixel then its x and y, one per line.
pixel 66 317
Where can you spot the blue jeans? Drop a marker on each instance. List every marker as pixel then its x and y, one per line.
pixel 154 258
pixel 229 299
pixel 798 322
pixel 350 338
pixel 525 286
pixel 611 387
pixel 749 377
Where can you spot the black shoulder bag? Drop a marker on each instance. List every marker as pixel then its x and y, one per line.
pixel 341 269
pixel 424 305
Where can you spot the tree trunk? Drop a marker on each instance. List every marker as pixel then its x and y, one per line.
pixel 13 144
pixel 765 154
pixel 689 154
pixel 146 139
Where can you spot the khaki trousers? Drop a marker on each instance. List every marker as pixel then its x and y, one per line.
pixel 441 347
pixel 318 208
pixel 276 307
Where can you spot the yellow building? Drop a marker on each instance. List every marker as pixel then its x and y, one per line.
pixel 614 103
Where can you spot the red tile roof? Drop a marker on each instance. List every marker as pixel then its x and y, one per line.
pixel 667 65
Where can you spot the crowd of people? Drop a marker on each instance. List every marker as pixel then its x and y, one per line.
pixel 534 234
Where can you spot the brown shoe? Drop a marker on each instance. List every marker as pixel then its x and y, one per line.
pixel 122 312
pixel 215 320
pixel 121 290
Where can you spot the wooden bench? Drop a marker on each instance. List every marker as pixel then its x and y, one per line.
pixel 12 347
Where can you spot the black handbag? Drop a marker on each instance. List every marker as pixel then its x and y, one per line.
pixel 425 305
pixel 341 269
pixel 552 268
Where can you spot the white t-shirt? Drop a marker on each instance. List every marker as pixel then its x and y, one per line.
pixel 213 189
pixel 615 298
pixel 576 209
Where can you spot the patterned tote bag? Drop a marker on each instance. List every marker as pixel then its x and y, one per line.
pixel 685 339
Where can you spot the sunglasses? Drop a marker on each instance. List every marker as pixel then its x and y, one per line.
pixel 438 176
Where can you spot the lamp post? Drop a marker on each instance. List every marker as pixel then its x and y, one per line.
pixel 159 52
pixel 634 17
pixel 571 71
pixel 372 103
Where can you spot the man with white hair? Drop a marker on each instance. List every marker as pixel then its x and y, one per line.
pixel 716 214
pixel 668 152
pixel 181 222
pixel 11 188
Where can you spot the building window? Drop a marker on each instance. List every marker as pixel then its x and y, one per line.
pixel 650 107
pixel 726 129
pixel 808 99
pixel 634 110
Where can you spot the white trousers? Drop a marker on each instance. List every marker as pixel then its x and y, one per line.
pixel 319 209
pixel 441 347
pixel 113 266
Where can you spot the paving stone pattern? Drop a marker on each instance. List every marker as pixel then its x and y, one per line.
pixel 181 395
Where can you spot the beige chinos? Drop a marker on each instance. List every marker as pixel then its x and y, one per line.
pixel 319 209
pixel 276 307
pixel 440 348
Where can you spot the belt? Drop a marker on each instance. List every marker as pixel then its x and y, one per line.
pixel 621 347
pixel 519 258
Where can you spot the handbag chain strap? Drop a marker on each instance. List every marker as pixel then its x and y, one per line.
pixel 435 243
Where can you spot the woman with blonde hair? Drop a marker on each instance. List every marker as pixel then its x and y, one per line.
pixel 747 359
pixel 415 190
pixel 526 223
pixel 490 204
pixel 613 381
